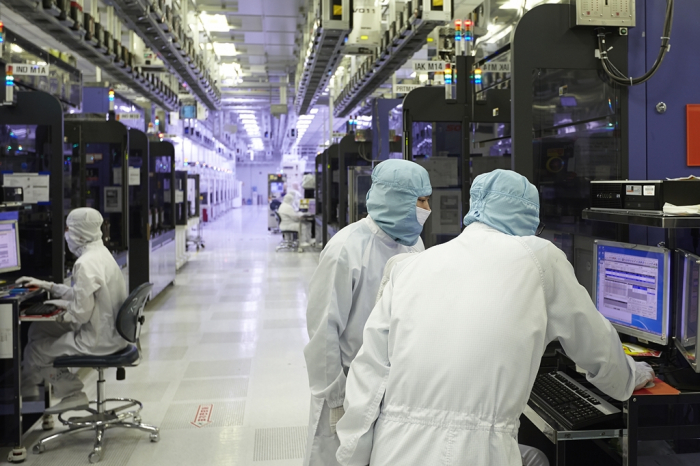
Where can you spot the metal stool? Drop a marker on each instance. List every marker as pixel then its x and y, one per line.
pixel 290 241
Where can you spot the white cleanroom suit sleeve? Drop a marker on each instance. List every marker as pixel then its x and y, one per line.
pixel 82 304
pixel 330 301
pixel 366 385
pixel 62 291
pixel 587 337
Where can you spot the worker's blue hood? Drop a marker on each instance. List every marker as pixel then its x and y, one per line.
pixel 391 201
pixel 506 201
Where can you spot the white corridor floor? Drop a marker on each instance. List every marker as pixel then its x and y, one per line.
pixel 228 335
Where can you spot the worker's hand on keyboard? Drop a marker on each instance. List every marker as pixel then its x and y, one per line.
pixel 31 281
pixel 59 303
pixel 643 374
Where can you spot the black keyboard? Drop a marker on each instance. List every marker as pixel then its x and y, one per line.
pixel 569 402
pixel 40 309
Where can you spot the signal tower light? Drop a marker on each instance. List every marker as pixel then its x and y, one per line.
pixel 9 84
pixel 468 30
pixel 111 100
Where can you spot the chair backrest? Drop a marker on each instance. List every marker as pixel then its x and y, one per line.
pixel 279 219
pixel 130 317
pixel 274 205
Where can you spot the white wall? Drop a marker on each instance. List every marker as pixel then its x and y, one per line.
pixel 255 175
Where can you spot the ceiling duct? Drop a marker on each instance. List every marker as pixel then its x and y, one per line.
pixel 406 35
pixel 330 23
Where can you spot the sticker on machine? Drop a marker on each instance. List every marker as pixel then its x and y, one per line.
pixel 203 416
pixel 633 190
pixel 649 190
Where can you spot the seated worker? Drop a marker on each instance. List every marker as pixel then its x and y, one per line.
pixel 290 217
pixel 451 351
pixel 344 288
pixel 88 326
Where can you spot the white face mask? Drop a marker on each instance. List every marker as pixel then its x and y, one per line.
pixel 422 215
pixel 72 245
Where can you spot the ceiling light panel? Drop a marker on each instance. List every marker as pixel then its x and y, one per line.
pixel 225 49
pixel 215 23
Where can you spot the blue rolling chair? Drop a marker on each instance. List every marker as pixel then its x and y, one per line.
pixel 129 322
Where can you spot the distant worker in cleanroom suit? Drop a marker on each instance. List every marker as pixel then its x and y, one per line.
pixel 344 288
pixel 289 216
pixel 88 326
pixel 452 349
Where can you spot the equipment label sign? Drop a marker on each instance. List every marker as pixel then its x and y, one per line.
pixel 35 186
pixel 649 190
pixel 405 88
pixel 633 190
pixel 428 66
pixel 496 67
pixel 203 416
pixel 128 116
pixel 22 69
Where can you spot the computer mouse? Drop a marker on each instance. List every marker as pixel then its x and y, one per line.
pixel 650 384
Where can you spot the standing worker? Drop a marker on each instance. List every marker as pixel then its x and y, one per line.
pixel 89 324
pixel 344 288
pixel 530 456
pixel 452 349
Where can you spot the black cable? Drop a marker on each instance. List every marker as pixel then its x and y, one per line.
pixel 615 74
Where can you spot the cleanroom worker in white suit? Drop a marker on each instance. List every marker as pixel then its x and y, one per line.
pixel 452 349
pixel 344 287
pixel 88 326
pixel 290 217
pixel 530 456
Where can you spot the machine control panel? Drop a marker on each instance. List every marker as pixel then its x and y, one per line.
pixel 605 13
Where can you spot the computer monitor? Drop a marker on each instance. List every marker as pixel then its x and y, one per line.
pixel 9 246
pixel 631 288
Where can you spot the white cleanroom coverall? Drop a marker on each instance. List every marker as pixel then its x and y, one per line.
pixel 289 216
pixel 344 288
pixel 452 349
pixel 92 304
pixel 530 456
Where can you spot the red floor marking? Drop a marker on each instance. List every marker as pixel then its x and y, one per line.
pixel 203 416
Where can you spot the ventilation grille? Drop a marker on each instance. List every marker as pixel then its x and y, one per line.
pixel 607 195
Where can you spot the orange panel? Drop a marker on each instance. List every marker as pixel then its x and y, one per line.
pixel 693 118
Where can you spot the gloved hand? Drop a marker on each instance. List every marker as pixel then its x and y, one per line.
pixel 31 281
pixel 643 374
pixel 335 415
pixel 59 303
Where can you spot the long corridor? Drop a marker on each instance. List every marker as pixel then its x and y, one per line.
pixel 223 371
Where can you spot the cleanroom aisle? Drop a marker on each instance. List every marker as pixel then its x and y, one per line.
pixel 229 337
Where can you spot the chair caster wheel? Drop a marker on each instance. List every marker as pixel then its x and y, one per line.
pixel 95 456
pixel 39 448
pixel 137 419
pixel 17 455
pixel 47 422
pixel 155 437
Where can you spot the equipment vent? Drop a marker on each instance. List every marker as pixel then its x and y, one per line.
pixel 607 195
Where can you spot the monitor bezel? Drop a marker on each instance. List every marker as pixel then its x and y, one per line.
pixel 680 339
pixel 662 339
pixel 19 258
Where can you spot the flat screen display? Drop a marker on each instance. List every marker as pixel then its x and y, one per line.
pixel 9 246
pixel 632 288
